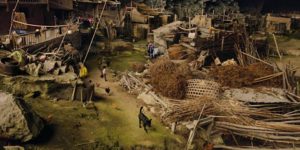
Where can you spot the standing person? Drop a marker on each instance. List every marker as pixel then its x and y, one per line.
pixel 104 73
pixel 82 71
pixel 150 49
pixel 90 90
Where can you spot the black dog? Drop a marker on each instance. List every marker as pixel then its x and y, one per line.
pixel 144 119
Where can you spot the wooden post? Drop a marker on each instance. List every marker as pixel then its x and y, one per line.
pixel 223 14
pixel 48 6
pixel 283 81
pixel 81 96
pixel 276 44
pixel 91 96
pixel 297 88
pixel 7 5
pixel 192 133
pixel 96 28
pixel 74 91
pixel 148 30
pixel 222 45
pixel 190 26
pixel 97 11
pixel 173 128
pixel 12 19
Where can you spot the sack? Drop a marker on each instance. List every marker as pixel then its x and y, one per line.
pixel 101 75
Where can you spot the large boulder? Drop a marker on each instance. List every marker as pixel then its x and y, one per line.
pixel 17 120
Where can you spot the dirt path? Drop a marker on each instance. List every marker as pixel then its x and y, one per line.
pixel 126 109
pixel 114 123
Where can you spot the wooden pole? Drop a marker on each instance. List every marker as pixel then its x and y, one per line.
pixel 12 18
pixel 276 44
pixel 74 91
pixel 81 95
pixel 222 44
pixel 268 77
pixel 97 25
pixel 256 59
pixel 7 5
pixel 190 26
pixel 62 41
pixel 173 128
pixel 192 133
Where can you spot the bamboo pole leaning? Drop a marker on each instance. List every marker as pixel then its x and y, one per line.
pixel 97 26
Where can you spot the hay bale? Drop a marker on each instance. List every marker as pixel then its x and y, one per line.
pixel 169 79
pixel 176 52
pixel 138 67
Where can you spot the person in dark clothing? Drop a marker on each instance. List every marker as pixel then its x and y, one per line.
pixel 150 49
pixel 89 90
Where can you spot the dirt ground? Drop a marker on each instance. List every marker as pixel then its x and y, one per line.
pixel 290 45
pixel 294 60
pixel 112 124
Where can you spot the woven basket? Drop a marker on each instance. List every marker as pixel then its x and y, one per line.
pixel 199 88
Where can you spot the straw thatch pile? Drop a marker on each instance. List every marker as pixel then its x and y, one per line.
pixel 241 119
pixel 238 76
pixel 176 52
pixel 138 67
pixel 169 79
pixel 235 111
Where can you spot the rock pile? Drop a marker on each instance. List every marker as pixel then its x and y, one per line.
pixel 17 120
